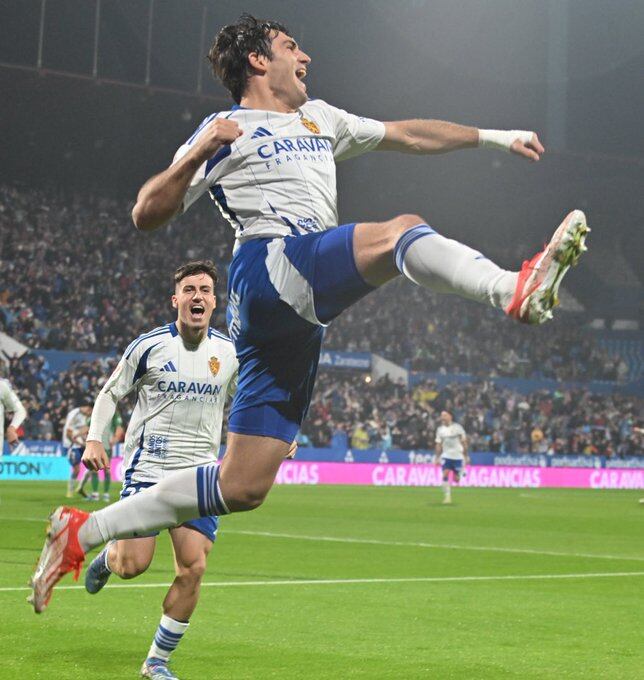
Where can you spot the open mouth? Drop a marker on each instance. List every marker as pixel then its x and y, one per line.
pixel 197 311
pixel 301 74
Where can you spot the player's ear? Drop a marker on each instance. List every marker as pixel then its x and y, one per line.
pixel 214 297
pixel 175 303
pixel 258 61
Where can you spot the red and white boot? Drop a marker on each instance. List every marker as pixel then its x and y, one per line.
pixel 539 279
pixel 61 554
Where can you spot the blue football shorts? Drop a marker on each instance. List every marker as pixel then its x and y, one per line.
pixel 452 464
pixel 282 292
pixel 74 455
pixel 204 525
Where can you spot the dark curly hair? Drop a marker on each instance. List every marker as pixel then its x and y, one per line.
pixel 228 55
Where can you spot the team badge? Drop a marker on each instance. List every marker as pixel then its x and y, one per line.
pixel 214 364
pixel 310 125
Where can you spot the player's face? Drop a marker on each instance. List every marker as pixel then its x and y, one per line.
pixel 86 410
pixel 194 300
pixel 286 71
pixel 446 418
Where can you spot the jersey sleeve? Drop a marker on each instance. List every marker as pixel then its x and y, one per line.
pixel 209 172
pixel 126 376
pixel 354 135
pixel 12 404
pixel 439 436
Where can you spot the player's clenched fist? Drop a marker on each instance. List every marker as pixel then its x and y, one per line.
pixel 220 132
pixel 94 457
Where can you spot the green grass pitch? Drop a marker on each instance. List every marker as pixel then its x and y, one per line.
pixel 347 582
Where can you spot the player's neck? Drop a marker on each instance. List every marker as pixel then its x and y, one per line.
pixel 191 335
pixel 265 101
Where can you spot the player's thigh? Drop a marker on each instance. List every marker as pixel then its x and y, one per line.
pixel 250 465
pixel 191 549
pixel 374 244
pixel 133 555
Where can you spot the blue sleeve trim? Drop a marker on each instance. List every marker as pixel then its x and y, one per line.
pixel 142 366
pixel 224 152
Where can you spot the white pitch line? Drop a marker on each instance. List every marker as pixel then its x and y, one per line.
pixel 436 546
pixel 357 581
pixel 408 544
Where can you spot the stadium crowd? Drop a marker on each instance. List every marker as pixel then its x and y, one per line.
pixel 347 411
pixel 108 283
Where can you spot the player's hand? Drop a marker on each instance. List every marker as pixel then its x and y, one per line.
pixel 220 132
pixel 531 150
pixel 12 435
pixel 94 457
pixel 292 451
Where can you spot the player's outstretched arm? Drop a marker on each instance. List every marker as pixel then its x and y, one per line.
pixel 161 197
pixel 439 136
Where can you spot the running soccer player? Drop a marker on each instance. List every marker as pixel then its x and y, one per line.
pixel 74 437
pixel 112 435
pixel 269 165
pixel 10 403
pixel 451 451
pixel 182 374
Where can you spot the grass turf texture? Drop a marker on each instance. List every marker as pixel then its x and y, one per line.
pixel 490 628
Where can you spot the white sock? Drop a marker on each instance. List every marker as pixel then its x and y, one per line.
pixel 170 502
pixel 167 637
pixel 447 490
pixel 447 266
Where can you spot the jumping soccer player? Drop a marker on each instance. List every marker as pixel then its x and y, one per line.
pixel 182 374
pixel 10 403
pixel 269 164
pixel 451 451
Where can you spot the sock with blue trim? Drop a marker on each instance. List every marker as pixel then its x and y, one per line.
pixel 179 497
pixel 447 266
pixel 167 637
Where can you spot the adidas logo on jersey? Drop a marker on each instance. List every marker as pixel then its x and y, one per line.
pixel 169 367
pixel 261 132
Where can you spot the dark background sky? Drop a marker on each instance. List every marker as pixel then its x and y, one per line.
pixel 571 69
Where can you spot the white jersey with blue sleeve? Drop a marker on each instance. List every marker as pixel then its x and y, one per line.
pixel 181 390
pixel 279 177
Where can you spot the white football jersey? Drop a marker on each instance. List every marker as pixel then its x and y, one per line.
pixel 181 390
pixel 9 403
pixel 76 421
pixel 278 178
pixel 450 438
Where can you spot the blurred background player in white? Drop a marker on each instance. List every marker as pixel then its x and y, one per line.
pixel 451 451
pixel 10 403
pixel 182 374
pixel 74 437
pixel 113 435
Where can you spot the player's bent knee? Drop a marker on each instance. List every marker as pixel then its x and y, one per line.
pixel 245 499
pixel 191 574
pixel 127 567
pixel 400 224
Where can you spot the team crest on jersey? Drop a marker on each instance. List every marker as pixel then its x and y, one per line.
pixel 214 365
pixel 310 125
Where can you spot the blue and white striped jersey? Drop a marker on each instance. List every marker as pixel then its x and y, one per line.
pixel 278 178
pixel 181 391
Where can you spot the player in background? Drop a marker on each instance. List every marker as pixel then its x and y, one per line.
pixel 113 434
pixel 270 165
pixel 10 403
pixel 451 452
pixel 74 434
pixel 182 374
